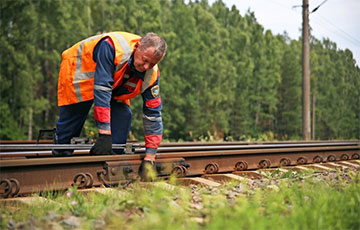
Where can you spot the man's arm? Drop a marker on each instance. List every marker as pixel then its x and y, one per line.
pixel 104 55
pixel 153 126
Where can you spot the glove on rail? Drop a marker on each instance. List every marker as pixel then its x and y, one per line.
pixel 103 145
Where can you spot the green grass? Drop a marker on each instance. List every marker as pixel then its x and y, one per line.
pixel 295 201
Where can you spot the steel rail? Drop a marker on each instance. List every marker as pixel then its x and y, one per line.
pixel 254 143
pixel 56 146
pixel 47 143
pixel 193 143
pixel 136 148
pixel 167 148
pixel 187 155
pixel 35 174
pixel 39 153
pixel 251 146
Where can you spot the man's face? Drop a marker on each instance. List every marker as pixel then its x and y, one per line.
pixel 144 58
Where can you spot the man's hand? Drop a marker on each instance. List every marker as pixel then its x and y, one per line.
pixel 147 171
pixel 103 145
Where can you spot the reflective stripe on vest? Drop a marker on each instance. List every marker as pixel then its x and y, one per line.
pixel 131 84
pixel 127 51
pixel 82 75
pixel 88 75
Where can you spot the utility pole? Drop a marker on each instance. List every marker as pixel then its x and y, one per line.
pixel 313 116
pixel 306 72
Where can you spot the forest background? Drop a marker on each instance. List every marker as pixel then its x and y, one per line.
pixel 223 78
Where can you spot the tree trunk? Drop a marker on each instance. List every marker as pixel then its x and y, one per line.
pixel 313 117
pixel 30 124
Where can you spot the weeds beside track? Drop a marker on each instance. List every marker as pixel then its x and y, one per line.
pixel 296 200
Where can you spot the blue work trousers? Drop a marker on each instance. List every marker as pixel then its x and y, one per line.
pixel 72 118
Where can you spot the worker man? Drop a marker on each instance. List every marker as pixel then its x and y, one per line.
pixel 107 70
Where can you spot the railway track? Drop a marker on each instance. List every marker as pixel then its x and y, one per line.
pixel 27 168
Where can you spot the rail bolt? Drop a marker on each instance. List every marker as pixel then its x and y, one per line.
pixel 344 157
pixel 184 169
pixel 186 165
pixel 331 158
pixel 241 166
pixel 15 187
pixel 285 162
pixel 211 168
pixel 317 159
pixel 302 160
pixel 101 176
pixel 355 156
pixel 9 187
pixel 90 180
pixel 5 187
pixel 178 171
pixel 114 170
pixel 264 164
pixel 80 180
pixel 127 170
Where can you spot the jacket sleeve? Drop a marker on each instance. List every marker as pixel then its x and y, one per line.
pixel 104 55
pixel 153 126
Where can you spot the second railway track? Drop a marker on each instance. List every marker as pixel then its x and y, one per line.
pixel 29 168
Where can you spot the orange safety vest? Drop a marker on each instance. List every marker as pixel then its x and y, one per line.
pixel 77 70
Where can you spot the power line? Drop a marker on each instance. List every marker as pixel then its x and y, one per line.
pixel 316 8
pixel 339 31
pixel 344 34
pixel 280 4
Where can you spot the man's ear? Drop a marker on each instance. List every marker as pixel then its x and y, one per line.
pixel 136 46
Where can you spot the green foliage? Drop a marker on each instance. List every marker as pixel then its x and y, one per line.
pixel 223 77
pixel 9 129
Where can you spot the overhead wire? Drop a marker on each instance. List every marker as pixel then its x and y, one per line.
pixel 316 8
pixel 338 31
pixel 344 34
pixel 323 22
